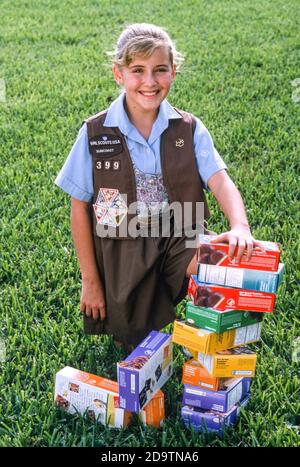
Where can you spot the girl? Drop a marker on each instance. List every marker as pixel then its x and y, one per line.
pixel 144 151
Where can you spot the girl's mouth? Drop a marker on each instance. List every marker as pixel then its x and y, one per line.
pixel 148 93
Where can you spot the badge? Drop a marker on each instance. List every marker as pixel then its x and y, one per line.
pixel 104 164
pixel 110 207
pixel 107 219
pixel 105 145
pixel 179 143
pixel 99 212
pixel 109 194
pixel 117 215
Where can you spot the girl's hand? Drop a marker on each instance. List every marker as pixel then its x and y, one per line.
pixel 239 237
pixel 92 301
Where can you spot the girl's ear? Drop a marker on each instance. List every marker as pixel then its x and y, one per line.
pixel 117 74
pixel 174 71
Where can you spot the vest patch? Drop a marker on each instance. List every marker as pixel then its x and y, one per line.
pixel 105 145
pixel 110 207
pixel 104 164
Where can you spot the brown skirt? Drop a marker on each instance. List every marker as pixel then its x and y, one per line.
pixel 144 279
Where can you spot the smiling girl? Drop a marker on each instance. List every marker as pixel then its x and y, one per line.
pixel 142 150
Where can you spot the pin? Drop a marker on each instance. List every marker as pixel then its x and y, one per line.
pixel 179 143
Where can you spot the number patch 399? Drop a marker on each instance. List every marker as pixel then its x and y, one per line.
pixel 108 165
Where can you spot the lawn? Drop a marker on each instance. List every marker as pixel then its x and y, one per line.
pixel 242 60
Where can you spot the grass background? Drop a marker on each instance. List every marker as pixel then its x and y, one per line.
pixel 241 58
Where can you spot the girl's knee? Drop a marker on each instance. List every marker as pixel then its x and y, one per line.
pixel 192 267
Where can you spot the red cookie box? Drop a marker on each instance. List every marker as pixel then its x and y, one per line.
pixel 229 298
pixel 217 254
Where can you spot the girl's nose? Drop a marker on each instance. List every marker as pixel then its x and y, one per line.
pixel 150 79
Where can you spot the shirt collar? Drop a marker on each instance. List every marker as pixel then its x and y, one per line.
pixel 117 117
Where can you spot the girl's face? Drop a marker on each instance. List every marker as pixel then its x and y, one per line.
pixel 146 81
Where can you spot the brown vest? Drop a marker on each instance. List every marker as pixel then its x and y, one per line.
pixel 113 169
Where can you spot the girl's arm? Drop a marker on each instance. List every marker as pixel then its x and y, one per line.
pixel 92 301
pixel 230 200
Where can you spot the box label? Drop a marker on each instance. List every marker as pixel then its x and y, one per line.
pixel 217 254
pixel 146 369
pixel 227 298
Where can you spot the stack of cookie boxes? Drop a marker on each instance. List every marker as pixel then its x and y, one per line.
pixel 225 314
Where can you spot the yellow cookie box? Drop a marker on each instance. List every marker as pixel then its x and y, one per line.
pixel 208 342
pixel 240 361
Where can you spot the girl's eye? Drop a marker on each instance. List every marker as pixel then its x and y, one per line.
pixel 158 70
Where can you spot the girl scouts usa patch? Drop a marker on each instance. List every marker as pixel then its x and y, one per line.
pixel 110 207
pixel 105 145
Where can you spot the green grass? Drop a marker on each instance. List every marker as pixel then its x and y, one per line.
pixel 241 58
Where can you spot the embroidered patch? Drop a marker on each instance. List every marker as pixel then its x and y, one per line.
pixel 99 212
pixel 107 219
pixel 118 202
pixel 100 198
pixel 109 194
pixel 116 165
pixel 108 165
pixel 110 207
pixel 118 215
pixel 105 145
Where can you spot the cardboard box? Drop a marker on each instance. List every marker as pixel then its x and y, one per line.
pixel 240 361
pixel 208 342
pixel 232 391
pixel 220 321
pixel 196 375
pixel 145 371
pixel 228 298
pixel 217 254
pixel 78 391
pixel 250 279
pixel 154 412
pixel 202 420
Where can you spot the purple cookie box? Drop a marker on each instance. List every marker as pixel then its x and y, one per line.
pixel 246 386
pixel 221 401
pixel 138 386
pixel 200 419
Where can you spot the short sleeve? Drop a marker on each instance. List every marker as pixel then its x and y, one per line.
pixel 76 175
pixel 207 157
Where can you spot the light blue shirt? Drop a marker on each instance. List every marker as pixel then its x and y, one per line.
pixel 76 175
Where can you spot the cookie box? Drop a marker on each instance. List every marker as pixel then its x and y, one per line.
pixel 229 298
pixel 208 342
pixel 154 412
pixel 145 371
pixel 231 392
pixel 78 391
pixel 220 321
pixel 240 361
pixel 217 254
pixel 195 374
pixel 250 279
pixel 209 420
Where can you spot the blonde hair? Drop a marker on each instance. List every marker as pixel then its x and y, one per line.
pixel 143 39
